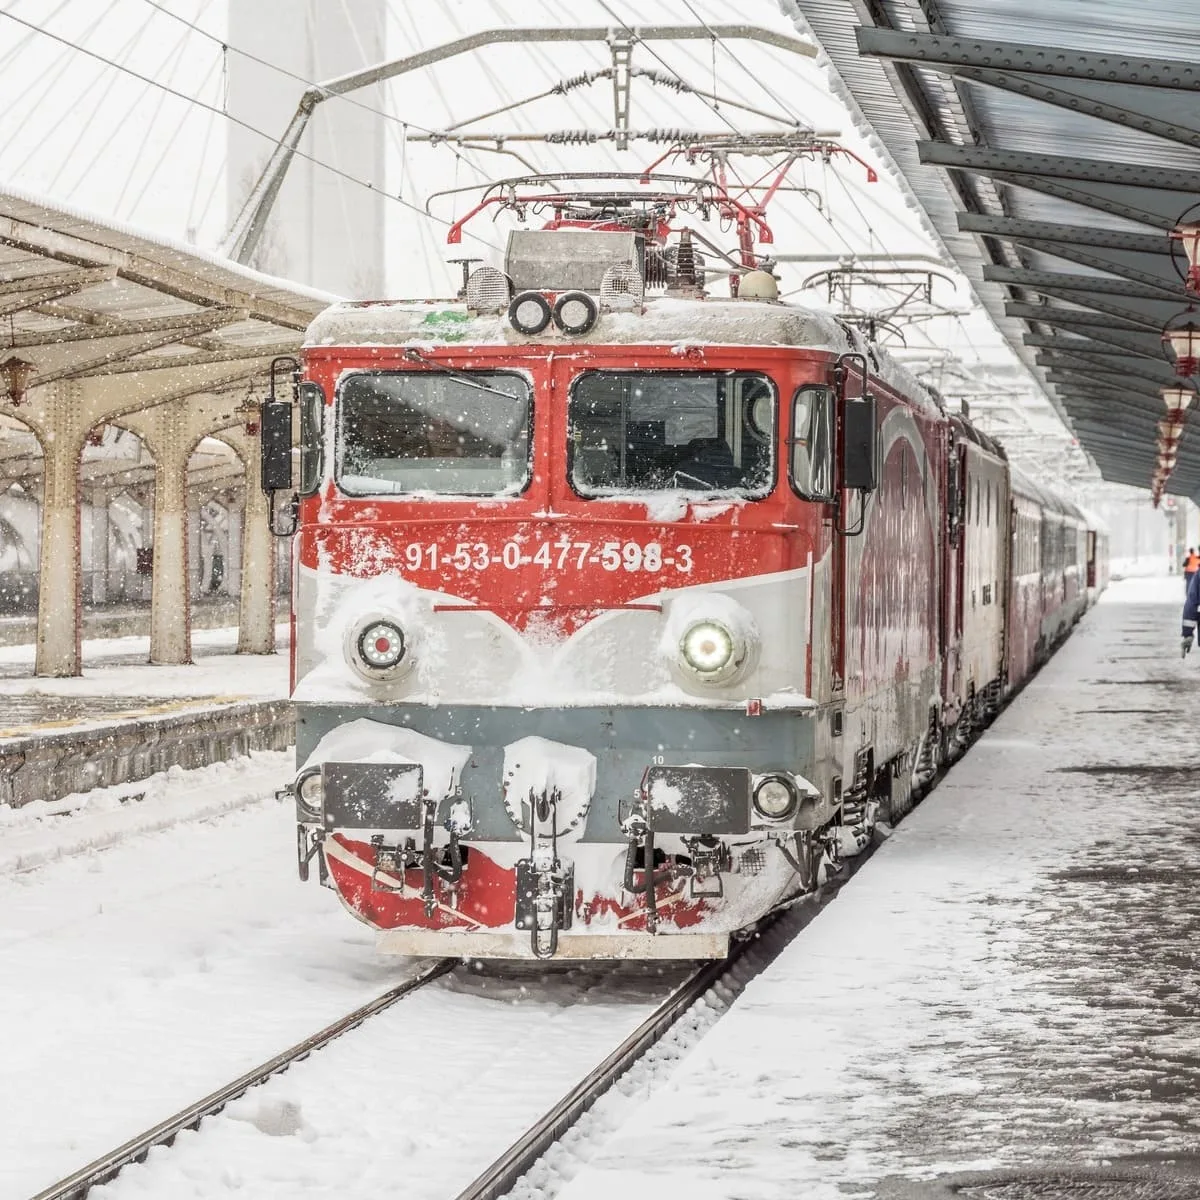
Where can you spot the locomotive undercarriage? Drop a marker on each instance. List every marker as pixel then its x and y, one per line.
pixel 669 855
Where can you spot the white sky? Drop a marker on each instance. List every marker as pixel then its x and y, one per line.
pixel 127 148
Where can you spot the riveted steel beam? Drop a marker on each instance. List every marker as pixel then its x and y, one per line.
pixel 1094 284
pixel 1113 411
pixel 1153 270
pixel 1156 96
pixel 1147 313
pixel 1059 166
pixel 1099 380
pixel 1148 348
pixel 1135 368
pixel 1133 191
pixel 1134 341
pixel 1017 229
pixel 1080 318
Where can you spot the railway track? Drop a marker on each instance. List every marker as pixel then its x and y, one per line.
pixel 103 1169
pixel 728 978
pixel 720 981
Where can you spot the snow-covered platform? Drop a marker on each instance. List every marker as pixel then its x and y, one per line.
pixel 1004 995
pixel 124 719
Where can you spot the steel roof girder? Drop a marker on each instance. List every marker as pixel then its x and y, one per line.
pixel 1035 280
pixel 1134 368
pixel 1019 229
pixel 988 160
pixel 1132 265
pixel 1150 314
pixel 1105 186
pixel 1153 94
pixel 1104 340
pixel 1060 316
pixel 1114 411
pixel 1111 346
pixel 934 50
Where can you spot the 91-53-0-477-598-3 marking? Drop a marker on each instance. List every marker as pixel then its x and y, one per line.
pixel 560 555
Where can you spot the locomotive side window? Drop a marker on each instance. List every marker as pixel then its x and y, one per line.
pixel 454 434
pixel 812 443
pixel 701 431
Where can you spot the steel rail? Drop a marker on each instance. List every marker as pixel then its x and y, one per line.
pixel 499 1178
pixel 79 1182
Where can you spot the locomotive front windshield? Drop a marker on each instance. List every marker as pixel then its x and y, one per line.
pixel 457 434
pixel 700 431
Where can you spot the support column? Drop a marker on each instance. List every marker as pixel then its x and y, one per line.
pixel 99 546
pixel 197 577
pixel 256 624
pixel 170 611
pixel 236 509
pixel 58 626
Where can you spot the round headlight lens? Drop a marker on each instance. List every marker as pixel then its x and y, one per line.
pixel 707 647
pixel 529 313
pixel 310 792
pixel 775 798
pixel 381 645
pixel 575 312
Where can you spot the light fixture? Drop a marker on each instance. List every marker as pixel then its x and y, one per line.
pixel 1185 342
pixel 1188 235
pixel 707 648
pixel 1169 431
pixel 1177 400
pixel 575 313
pixel 775 798
pixel 378 648
pixel 529 313
pixel 310 793
pixel 16 374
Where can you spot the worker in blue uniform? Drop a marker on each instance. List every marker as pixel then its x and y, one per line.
pixel 1191 611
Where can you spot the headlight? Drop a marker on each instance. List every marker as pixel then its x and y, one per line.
pixel 529 313
pixel 775 798
pixel 575 313
pixel 380 645
pixel 310 795
pixel 707 648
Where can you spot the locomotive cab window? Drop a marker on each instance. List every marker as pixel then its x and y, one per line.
pixel 811 460
pixel 449 433
pixel 699 431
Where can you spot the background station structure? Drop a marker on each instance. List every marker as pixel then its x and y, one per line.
pixel 1055 148
pixel 129 332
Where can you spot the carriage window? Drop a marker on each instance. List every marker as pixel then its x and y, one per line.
pixel 454 434
pixel 699 431
pixel 812 443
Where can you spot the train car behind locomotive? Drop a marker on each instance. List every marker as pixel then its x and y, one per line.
pixel 619 616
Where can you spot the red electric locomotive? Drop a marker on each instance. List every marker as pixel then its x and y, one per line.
pixel 621 611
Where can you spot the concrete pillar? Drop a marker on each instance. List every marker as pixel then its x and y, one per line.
pixel 99 546
pixel 196 572
pixel 256 621
pixel 58 630
pixel 233 560
pixel 170 610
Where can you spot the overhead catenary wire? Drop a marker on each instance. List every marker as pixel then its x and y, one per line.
pixel 226 116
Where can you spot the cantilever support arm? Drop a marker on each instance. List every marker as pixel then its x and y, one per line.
pixel 246 233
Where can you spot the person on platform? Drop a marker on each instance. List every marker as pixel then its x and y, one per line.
pixel 1191 610
pixel 1191 564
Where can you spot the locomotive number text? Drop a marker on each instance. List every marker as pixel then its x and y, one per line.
pixel 558 556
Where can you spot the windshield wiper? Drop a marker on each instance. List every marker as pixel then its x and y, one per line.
pixel 466 380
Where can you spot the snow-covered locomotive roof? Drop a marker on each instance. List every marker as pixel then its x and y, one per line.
pixel 679 323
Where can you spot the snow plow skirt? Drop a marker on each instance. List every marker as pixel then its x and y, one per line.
pixel 430 943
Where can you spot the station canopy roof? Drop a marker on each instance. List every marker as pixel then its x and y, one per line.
pixel 81 298
pixel 1053 145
